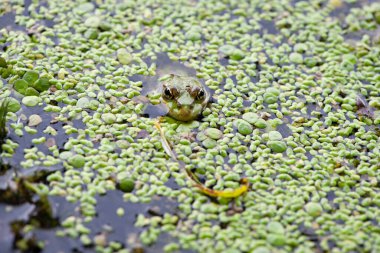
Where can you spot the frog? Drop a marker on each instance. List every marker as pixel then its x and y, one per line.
pixel 184 96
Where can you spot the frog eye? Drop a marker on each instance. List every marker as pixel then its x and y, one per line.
pixel 168 93
pixel 200 95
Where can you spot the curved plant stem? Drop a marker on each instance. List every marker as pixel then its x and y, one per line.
pixel 205 190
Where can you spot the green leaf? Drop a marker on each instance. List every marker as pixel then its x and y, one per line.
pixel 42 84
pixel 13 105
pixel 31 77
pixel 6 73
pixel 20 86
pixel 30 91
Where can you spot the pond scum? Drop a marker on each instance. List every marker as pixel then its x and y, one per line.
pixel 292 134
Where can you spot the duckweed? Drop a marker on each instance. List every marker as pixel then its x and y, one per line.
pixel 76 161
pixel 285 116
pixel 277 146
pixel 124 57
pixel 30 101
pixel 296 58
pixel 209 143
pixel 120 211
pixel 275 227
pixel 313 209
pixel 34 120
pixel 13 105
pixel 127 185
pixel 30 91
pixel 84 8
pixel 274 135
pixel 260 123
pixel 243 127
pixel 20 86
pixel 250 117
pixel 30 77
pixel 109 118
pixel 83 102
pixel 277 239
pixel 214 133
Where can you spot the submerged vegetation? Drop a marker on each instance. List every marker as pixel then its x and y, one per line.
pixel 284 159
pixel 3 119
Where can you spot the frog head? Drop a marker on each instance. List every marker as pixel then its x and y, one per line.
pixel 184 96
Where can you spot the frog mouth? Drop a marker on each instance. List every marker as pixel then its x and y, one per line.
pixel 183 113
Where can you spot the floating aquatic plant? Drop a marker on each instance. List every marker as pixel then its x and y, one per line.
pixel 313 188
pixel 31 84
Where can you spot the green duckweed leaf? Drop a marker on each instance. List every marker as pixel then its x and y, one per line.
pixel 31 77
pixel 42 84
pixel 20 86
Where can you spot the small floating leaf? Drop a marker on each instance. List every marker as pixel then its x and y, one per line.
pixel 77 161
pixel 31 77
pixel 20 86
pixel 42 84
pixel 127 185
pixel 250 117
pixel 31 92
pixel 93 21
pixel 124 56
pixel 277 146
pixel 109 118
pixel 83 102
pixel 209 143
pixel 13 105
pixel 243 127
pixel 227 49
pixel 313 209
pixel 34 120
pixel 91 34
pixel 214 133
pixel 84 8
pixel 30 100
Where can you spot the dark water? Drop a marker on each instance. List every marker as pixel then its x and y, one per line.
pixel 23 212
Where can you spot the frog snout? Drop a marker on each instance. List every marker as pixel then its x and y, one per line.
pixel 185 100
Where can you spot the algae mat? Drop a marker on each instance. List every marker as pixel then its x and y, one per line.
pixel 295 110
